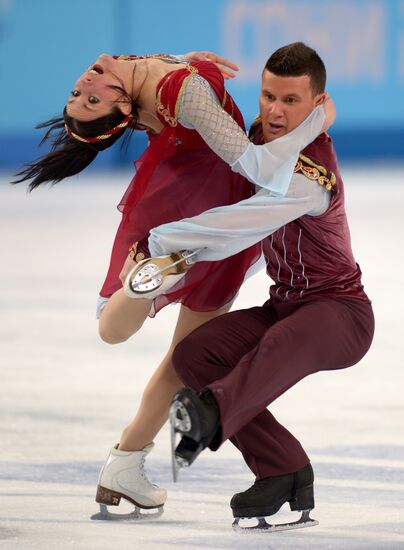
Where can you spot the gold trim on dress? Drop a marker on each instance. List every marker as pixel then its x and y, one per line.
pixel 162 109
pixel 151 56
pixel 134 254
pixel 192 70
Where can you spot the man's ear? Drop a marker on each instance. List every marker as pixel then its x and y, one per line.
pixel 320 98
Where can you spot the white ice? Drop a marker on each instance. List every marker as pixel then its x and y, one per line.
pixel 65 395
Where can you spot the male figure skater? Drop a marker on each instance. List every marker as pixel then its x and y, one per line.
pixel 318 316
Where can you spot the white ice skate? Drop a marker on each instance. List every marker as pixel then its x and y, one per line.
pixel 123 477
pixel 154 276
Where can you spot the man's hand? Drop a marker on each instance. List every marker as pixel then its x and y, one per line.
pixel 127 266
pixel 330 112
pixel 222 63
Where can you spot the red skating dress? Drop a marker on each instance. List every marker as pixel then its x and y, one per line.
pixel 179 176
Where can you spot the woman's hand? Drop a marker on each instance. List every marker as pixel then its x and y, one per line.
pixel 222 63
pixel 330 112
pixel 127 266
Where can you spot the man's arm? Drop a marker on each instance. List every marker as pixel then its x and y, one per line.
pixel 226 230
pixel 225 66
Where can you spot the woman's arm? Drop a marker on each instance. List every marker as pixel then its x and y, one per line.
pixel 226 230
pixel 269 166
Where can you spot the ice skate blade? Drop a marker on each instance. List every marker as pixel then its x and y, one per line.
pixel 105 515
pixel 176 462
pixel 263 526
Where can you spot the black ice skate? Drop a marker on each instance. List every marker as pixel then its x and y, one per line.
pixel 268 495
pixel 195 416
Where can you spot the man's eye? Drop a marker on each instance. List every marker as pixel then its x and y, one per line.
pixel 75 93
pixel 291 100
pixel 93 99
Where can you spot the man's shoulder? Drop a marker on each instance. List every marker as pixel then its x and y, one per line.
pixel 309 162
pixel 315 171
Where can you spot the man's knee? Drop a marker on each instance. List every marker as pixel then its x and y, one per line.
pixel 181 358
pixel 188 357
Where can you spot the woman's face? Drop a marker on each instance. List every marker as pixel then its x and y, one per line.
pixel 92 97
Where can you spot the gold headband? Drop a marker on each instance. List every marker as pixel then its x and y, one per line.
pixel 101 137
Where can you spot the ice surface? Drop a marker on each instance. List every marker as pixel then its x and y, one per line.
pixel 65 396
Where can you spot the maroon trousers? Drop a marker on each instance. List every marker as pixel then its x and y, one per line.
pixel 248 358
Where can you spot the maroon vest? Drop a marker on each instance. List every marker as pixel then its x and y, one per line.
pixel 312 255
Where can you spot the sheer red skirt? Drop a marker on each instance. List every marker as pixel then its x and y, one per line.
pixel 181 186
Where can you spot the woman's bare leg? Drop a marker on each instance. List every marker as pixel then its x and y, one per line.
pixel 158 394
pixel 122 317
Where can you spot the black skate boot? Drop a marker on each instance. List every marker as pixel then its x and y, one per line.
pixel 268 495
pixel 195 416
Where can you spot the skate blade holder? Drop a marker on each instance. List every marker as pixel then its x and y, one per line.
pixel 151 276
pixel 137 514
pixel 180 423
pixel 146 279
pixel 262 525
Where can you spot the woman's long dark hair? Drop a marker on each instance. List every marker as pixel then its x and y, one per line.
pixel 69 156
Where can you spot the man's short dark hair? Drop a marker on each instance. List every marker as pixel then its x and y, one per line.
pixel 298 59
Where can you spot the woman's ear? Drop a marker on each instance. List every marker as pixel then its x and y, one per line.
pixel 125 107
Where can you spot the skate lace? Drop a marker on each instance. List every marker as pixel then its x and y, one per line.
pixel 143 472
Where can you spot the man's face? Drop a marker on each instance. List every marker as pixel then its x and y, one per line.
pixel 285 101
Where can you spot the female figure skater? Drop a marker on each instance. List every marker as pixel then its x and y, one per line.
pixel 177 176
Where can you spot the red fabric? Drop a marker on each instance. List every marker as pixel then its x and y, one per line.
pixel 179 176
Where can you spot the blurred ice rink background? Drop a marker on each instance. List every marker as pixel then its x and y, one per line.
pixel 65 395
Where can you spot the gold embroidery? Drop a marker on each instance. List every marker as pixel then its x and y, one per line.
pixel 316 172
pixel 225 97
pixel 308 161
pixel 192 70
pixel 305 165
pixel 161 56
pixel 134 254
pixel 164 111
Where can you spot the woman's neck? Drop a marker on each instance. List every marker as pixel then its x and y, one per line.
pixel 141 79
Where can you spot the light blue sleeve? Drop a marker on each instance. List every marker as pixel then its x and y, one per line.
pixel 271 165
pixel 101 303
pixel 224 231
